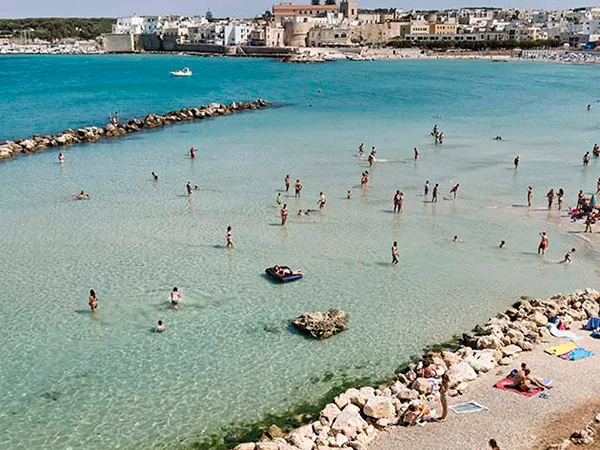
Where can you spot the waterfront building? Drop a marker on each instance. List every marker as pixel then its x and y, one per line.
pixel 286 11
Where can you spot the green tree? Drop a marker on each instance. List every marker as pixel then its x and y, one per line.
pixel 330 2
pixel 315 2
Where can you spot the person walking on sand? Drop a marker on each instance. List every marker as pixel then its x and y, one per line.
pixel 229 237
pixel 175 298
pixel 434 194
pixel 278 199
pixel 516 162
pixel 189 188
pixel 297 188
pixel 426 188
pixel 444 388
pixel 586 159
pixel 543 243
pixel 416 154
pixel 284 214
pixel 321 202
pixel 559 198
pixel 529 195
pixel 287 183
pixel 93 301
pixel 550 197
pixel 395 253
pixel 454 191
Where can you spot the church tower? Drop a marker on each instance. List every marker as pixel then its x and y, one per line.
pixel 349 9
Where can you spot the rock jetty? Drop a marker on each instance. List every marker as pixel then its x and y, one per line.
pixel 37 143
pixel 355 417
pixel 322 325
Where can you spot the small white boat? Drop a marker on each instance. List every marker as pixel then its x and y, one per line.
pixel 182 73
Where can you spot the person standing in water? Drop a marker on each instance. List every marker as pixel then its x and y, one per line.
pixel 284 214
pixel 61 158
pixel 189 188
pixel 416 154
pixel 550 197
pixel 401 202
pixel 543 243
pixel 529 195
pixel 397 202
pixel 93 301
pixel 278 199
pixel 598 186
pixel 395 253
pixel 192 153
pixel 588 223
pixel 298 188
pixel 434 194
pixel 596 151
pixel 569 257
pixel 176 298
pixel 502 244
pixel 229 237
pixel 516 162
pixel 371 159
pixel 155 176
pixel 159 328
pixel 287 183
pixel 321 202
pixel 361 150
pixel 454 191
pixel 426 188
pixel 586 159
pixel 559 197
pixel 349 195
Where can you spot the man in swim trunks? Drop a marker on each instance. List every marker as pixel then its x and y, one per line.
pixel 298 188
pixel 395 253
pixel 543 243
pixel 586 159
pixel 287 183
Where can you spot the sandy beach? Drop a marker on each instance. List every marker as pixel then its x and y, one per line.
pixel 516 422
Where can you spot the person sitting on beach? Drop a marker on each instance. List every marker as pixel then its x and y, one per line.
pixel 93 301
pixel 415 413
pixel 160 327
pixel 82 196
pixel 176 298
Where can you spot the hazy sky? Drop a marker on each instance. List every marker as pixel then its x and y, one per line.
pixel 221 8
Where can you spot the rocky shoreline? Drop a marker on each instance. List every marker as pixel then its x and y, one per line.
pixel 355 417
pixel 66 138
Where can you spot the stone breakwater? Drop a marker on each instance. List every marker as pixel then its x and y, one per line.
pixel 37 143
pixel 356 416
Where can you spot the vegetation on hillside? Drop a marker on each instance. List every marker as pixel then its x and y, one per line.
pixel 53 29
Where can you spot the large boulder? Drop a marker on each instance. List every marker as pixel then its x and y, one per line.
pixel 461 372
pixel 322 325
pixel 379 408
pixel 539 318
pixel 329 413
pixel 245 446
pixel 349 422
pixel 482 361
pixel 511 350
pixel 346 397
pixel 591 308
pixel 422 385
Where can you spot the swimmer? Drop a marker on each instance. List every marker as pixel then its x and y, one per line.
pixel 498 138
pixel 361 150
pixel 502 244
pixel 589 107
pixel 434 132
pixel 516 162
pixel 229 238
pixel 287 183
pixel 416 154
pixel 454 191
pixel 543 243
pixel 298 188
pixel 321 202
pixel 441 138
pixel 61 158
pixel 371 159
pixel 192 153
pixel 176 298
pixel 586 159
pixel 568 257
pixel 426 188
pixel 279 199
pixel 550 197
pixel 160 327
pixel 93 301
pixel 155 176
pixel 529 195
pixel 284 214
pixel 300 213
pixel 596 151
pixel 395 253
pixel 434 196
pixel 189 188
pixel 307 212
pixel 559 197
pixel 196 188
pixel 82 196
pixel 455 240
pixel 373 150
pixel 349 195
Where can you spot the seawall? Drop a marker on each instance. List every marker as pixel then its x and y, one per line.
pixel 37 143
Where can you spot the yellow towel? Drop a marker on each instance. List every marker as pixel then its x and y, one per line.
pixel 561 349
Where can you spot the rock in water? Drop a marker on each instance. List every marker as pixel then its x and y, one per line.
pixel 322 325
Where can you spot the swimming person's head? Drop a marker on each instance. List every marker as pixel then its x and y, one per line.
pixel 175 289
pixel 92 293
pixel 160 322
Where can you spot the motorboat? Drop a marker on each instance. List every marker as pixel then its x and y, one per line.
pixel 182 73
pixel 273 275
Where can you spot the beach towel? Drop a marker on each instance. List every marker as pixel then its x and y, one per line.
pixel 592 323
pixel 554 331
pixel 506 384
pixel 561 349
pixel 578 353
pixel 468 407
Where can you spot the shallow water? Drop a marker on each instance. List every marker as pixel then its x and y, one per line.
pixel 71 379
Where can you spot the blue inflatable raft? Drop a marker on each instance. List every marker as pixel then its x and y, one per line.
pixel 279 279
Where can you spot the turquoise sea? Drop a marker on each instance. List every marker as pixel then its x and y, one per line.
pixel 70 379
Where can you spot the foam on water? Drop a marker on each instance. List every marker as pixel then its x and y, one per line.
pixel 71 379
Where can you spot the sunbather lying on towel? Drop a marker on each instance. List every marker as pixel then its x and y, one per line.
pixel 525 382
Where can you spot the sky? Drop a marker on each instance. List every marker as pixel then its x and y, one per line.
pixel 225 8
